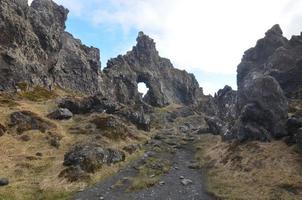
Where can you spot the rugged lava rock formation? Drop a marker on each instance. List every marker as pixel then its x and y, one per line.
pixel 143 64
pixel 268 75
pixel 34 48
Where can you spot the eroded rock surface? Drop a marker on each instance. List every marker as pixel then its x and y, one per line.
pixel 143 64
pixel 34 48
pixel 25 120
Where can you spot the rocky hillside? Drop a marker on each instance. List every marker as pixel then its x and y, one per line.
pixel 65 124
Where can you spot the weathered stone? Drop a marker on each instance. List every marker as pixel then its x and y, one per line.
pixel 261 105
pixel 36 50
pixel 226 100
pixel 143 64
pixel 186 182
pixel 109 126
pixel 4 182
pixel 60 114
pixel 293 124
pixel 96 103
pixel 92 156
pixel 26 120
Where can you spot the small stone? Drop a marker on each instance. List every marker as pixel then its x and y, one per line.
pixel 4 182
pixel 194 166
pixel 181 177
pixel 186 182
pixel 162 183
pixel 25 138
pixel 61 114
pixel 39 154
pixel 152 176
pixel 101 198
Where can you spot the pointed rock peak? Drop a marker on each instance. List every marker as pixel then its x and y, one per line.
pixel 145 44
pixel 275 30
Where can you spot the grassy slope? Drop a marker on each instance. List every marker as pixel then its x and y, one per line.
pixel 33 177
pixel 251 171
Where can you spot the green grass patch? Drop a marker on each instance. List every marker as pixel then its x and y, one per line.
pixel 149 174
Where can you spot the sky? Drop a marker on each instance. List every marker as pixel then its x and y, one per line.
pixel 204 37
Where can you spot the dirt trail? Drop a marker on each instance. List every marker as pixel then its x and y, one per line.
pixel 179 152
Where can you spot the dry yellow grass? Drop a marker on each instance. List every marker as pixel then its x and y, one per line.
pixel 33 177
pixel 251 171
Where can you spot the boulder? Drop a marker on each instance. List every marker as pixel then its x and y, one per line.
pixel 60 114
pixel 262 108
pixel 293 124
pixel 138 118
pixel 4 182
pixel 216 126
pixel 96 103
pixel 109 126
pixel 92 156
pixel 26 120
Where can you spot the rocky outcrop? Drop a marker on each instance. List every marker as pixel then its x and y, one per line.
pixel 25 120
pixel 92 156
pixel 34 48
pixel 261 104
pixel 278 57
pixel 226 101
pixel 143 64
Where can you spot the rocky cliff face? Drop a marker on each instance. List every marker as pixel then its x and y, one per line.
pixel 278 57
pixel 143 64
pixel 34 48
pixel 268 75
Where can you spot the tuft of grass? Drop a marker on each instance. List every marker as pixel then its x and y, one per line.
pixel 149 174
pixel 23 86
pixel 39 94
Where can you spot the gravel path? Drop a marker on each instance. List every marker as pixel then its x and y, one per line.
pixel 169 187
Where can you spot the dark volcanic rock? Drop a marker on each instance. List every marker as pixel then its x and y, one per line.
pixel 276 56
pixel 262 109
pixel 26 120
pixel 91 156
pixel 226 101
pixel 35 49
pixel 139 118
pixel 109 126
pixel 4 182
pixel 86 105
pixel 264 78
pixel 143 64
pixel 60 114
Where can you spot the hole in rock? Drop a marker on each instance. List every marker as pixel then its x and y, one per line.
pixel 142 88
